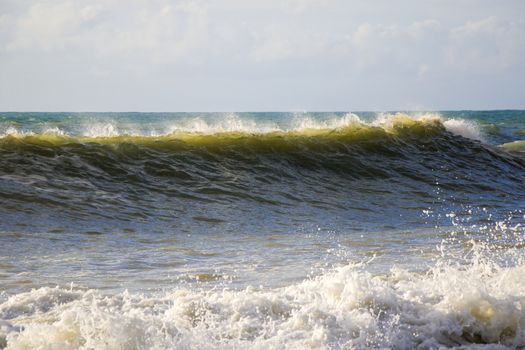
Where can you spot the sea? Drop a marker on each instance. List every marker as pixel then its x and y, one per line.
pixel 333 230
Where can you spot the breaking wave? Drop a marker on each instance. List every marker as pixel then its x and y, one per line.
pixel 347 307
pixel 236 160
pixel 232 123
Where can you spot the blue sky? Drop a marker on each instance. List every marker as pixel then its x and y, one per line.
pixel 261 55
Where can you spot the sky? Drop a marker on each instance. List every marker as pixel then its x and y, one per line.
pixel 261 55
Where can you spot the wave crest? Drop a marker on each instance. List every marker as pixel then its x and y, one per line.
pixel 347 128
pixel 232 123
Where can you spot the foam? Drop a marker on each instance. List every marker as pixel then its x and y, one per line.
pixel 304 122
pixel 15 132
pixel 100 129
pixel 233 123
pixel 448 305
pixel 516 146
pixel 465 128
pixel 12 131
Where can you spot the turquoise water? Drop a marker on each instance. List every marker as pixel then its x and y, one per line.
pixel 262 230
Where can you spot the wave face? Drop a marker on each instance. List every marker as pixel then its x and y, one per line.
pixel 257 163
pixel 262 230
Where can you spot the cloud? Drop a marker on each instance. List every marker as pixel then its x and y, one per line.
pixel 409 47
pixel 489 44
pixel 50 25
pixel 356 48
pixel 167 32
pixel 486 45
pixel 161 33
pixel 300 6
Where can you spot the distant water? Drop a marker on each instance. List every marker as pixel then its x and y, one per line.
pixel 262 230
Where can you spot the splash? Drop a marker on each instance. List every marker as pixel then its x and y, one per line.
pixel 233 123
pixel 465 128
pixel 347 308
pixel 480 300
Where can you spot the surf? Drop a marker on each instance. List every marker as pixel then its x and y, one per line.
pixel 346 307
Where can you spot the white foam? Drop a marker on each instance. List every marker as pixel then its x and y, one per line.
pixel 348 307
pixel 516 146
pixel 54 131
pixel 232 122
pixel 221 124
pixel 465 128
pixel 12 131
pixel 387 120
pixel 227 123
pixel 302 122
pixel 100 129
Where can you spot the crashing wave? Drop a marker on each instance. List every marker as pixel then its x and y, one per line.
pixel 233 124
pixel 346 308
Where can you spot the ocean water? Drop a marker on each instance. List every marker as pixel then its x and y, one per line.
pixel 262 230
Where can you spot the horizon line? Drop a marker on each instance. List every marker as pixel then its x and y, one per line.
pixel 270 111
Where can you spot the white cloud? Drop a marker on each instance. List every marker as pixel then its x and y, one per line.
pixel 488 44
pixel 46 26
pixel 405 46
pixel 299 6
pixel 162 33
pixel 422 28
pixel 487 25
pixel 358 48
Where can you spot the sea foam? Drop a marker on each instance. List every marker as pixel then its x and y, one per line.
pixel 448 305
pixel 465 128
pixel 234 123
